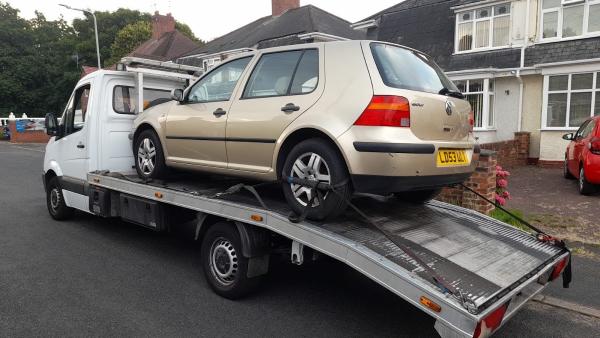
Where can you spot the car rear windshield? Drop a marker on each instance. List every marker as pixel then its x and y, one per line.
pixel 407 69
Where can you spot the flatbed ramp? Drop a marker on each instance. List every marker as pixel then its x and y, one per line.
pixel 490 262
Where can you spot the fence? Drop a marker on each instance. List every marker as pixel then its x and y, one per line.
pixel 23 130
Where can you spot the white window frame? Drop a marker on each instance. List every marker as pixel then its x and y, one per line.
pixel 595 91
pixel 586 16
pixel 486 125
pixel 474 22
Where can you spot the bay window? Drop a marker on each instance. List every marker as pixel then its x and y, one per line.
pixel 569 18
pixel 483 28
pixel 570 99
pixel 480 94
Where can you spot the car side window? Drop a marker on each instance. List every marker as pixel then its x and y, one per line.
pixel 588 129
pixel 218 85
pixel 75 114
pixel 284 73
pixel 579 133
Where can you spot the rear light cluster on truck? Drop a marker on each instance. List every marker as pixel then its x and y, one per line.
pixel 558 268
pixel 594 145
pixel 386 111
pixel 490 323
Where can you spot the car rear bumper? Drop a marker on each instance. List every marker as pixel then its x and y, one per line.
pixel 388 184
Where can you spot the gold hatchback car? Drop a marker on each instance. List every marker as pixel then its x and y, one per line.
pixel 363 116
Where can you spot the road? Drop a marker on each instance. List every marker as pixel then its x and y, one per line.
pixel 96 277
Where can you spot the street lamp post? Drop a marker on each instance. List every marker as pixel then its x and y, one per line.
pixel 95 29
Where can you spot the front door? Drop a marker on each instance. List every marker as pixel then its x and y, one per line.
pixel 195 128
pixel 71 147
pixel 282 86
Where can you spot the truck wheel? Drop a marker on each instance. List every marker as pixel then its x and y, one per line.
pixel 585 187
pixel 225 268
pixel 148 153
pixel 316 159
pixel 417 196
pixel 55 201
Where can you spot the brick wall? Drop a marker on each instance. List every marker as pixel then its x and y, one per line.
pixel 511 153
pixel 483 181
pixel 30 136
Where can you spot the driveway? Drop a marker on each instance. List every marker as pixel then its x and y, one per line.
pixel 101 277
pixel 554 203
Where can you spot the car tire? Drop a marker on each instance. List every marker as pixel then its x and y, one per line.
pixel 148 155
pixel 316 159
pixel 55 201
pixel 417 196
pixel 566 173
pixel 585 187
pixel 224 265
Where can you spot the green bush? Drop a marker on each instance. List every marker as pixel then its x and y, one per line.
pixel 508 219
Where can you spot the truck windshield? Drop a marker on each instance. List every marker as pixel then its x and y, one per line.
pixel 407 69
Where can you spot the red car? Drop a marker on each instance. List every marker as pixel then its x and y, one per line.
pixel 582 159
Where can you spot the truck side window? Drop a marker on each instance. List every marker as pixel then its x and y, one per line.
pixel 75 114
pixel 125 98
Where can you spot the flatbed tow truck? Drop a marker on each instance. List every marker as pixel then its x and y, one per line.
pixel 467 270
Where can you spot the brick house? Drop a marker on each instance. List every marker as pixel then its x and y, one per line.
pixel 289 23
pixel 525 65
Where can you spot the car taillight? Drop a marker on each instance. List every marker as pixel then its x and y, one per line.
pixel 491 322
pixel 558 268
pixel 386 111
pixel 594 145
pixel 471 119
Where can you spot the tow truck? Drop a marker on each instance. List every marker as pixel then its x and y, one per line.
pixel 469 271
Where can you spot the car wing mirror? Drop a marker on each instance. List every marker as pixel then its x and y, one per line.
pixel 51 124
pixel 568 137
pixel 177 95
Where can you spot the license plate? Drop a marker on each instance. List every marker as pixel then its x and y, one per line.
pixel 452 157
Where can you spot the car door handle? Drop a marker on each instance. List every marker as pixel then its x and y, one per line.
pixel 80 146
pixel 290 107
pixel 219 112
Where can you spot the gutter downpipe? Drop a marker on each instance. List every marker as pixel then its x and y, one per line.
pixel 522 65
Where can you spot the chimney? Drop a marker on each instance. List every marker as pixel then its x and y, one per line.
pixel 280 6
pixel 162 24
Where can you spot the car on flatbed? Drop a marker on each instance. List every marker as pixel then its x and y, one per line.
pixel 363 116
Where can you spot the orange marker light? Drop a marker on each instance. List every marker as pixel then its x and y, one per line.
pixel 158 194
pixel 257 218
pixel 430 304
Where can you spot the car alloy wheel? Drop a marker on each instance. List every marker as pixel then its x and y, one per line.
pixel 223 261
pixel 146 156
pixel 309 166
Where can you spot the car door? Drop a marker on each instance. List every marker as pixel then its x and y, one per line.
pixel 576 148
pixel 195 128
pixel 282 86
pixel 71 147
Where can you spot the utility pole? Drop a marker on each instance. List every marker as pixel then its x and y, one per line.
pixel 95 29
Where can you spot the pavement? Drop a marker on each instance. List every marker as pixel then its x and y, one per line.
pixel 549 200
pixel 97 277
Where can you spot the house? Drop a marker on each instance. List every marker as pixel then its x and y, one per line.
pixel 525 65
pixel 289 23
pixel 166 42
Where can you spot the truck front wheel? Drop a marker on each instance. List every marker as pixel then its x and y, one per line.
pixel 225 268
pixel 55 201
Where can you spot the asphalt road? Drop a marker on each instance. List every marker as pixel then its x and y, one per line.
pixel 95 277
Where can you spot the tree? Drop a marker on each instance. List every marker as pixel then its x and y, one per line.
pixel 128 39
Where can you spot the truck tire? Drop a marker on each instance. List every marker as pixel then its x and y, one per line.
pixel 417 196
pixel 316 159
pixel 148 154
pixel 55 201
pixel 224 265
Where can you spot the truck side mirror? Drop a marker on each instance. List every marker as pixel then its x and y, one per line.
pixel 177 95
pixel 51 123
pixel 568 136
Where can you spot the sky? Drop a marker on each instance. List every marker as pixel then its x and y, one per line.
pixel 207 19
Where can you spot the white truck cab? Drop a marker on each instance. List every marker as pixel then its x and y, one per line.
pixel 93 130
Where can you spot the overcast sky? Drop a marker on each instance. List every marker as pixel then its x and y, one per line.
pixel 208 19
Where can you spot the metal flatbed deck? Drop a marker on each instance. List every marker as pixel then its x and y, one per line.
pixel 490 262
